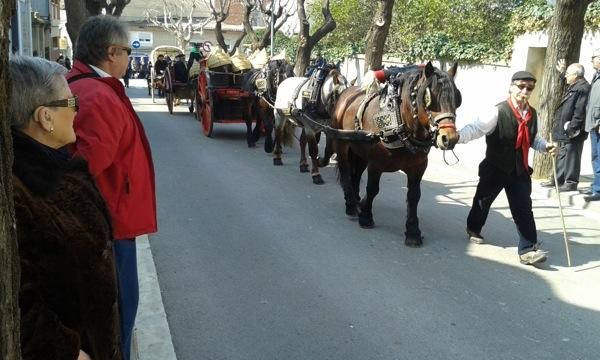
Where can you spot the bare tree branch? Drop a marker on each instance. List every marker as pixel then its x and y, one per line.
pixel 178 19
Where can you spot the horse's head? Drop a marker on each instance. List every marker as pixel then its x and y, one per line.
pixel 333 85
pixel 432 99
pixel 277 71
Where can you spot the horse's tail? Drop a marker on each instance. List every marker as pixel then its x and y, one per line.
pixel 287 133
pixel 284 130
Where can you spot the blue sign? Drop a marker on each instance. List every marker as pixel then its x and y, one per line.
pixel 135 44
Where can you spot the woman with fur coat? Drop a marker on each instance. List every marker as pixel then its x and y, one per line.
pixel 68 292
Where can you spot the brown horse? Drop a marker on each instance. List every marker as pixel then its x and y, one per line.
pixel 262 84
pixel 426 100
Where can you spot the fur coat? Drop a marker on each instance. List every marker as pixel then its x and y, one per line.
pixel 68 293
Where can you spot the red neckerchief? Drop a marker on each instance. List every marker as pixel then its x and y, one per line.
pixel 523 142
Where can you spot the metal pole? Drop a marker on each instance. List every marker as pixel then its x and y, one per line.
pixel 562 216
pixel 272 27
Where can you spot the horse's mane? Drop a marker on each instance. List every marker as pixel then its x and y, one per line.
pixel 441 83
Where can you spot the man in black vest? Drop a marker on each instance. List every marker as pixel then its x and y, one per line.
pixel 568 128
pixel 510 129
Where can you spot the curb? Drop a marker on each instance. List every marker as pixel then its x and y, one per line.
pixel 151 335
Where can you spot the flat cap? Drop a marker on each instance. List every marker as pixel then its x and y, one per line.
pixel 523 75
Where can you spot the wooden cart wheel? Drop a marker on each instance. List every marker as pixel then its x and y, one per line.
pixel 205 113
pixel 208 116
pixel 169 96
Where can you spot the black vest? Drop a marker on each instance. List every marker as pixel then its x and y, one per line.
pixel 501 152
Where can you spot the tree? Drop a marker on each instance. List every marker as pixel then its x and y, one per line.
pixel 79 10
pixel 282 11
pixel 178 19
pixel 378 34
pixel 9 258
pixel 307 42
pixel 564 42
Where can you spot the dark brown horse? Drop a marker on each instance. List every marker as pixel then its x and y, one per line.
pixel 426 100
pixel 262 84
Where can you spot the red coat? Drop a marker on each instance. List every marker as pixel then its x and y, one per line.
pixel 110 136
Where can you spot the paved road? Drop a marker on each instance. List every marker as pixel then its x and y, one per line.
pixel 255 262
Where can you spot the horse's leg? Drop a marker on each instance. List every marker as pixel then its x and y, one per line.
pixel 247 115
pixel 313 151
pixel 350 168
pixel 303 161
pixel 365 216
pixel 413 236
pixel 329 150
pixel 268 124
pixel 279 123
pixel 254 113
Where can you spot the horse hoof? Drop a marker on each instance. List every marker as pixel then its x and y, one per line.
pixel 318 180
pixel 277 162
pixel 413 241
pixel 365 222
pixel 304 168
pixel 251 145
pixel 268 144
pixel 352 212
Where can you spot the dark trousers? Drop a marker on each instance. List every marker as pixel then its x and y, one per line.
pixel 595 140
pixel 568 162
pixel 127 278
pixel 518 192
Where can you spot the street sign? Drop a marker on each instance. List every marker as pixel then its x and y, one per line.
pixel 135 44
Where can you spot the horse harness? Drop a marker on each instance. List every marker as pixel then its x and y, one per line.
pixel 393 130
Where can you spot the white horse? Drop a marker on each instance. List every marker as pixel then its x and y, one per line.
pixel 291 110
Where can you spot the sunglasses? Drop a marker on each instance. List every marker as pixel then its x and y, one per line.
pixel 125 48
pixel 523 86
pixel 72 102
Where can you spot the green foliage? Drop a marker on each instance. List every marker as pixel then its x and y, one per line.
pixel 466 30
pixel 463 30
pixel 353 19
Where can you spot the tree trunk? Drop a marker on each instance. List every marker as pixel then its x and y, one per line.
pixel 378 34
pixel 76 14
pixel 564 42
pixel 307 42
pixel 9 257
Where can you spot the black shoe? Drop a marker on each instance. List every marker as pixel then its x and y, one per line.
pixel 587 191
pixel 567 187
pixel 548 184
pixel 475 237
pixel 593 197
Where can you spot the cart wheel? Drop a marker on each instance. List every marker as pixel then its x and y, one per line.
pixel 205 105
pixel 169 96
pixel 208 116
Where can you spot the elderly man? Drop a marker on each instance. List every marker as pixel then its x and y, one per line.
pixel 569 121
pixel 510 129
pixel 592 125
pixel 111 137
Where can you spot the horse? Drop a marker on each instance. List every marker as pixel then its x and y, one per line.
pixel 262 85
pixel 294 109
pixel 366 136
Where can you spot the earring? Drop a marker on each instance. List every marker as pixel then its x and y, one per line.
pixel 51 130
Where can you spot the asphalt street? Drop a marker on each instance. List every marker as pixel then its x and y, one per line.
pixel 256 262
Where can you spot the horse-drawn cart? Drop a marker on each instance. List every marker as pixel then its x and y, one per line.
pixel 220 98
pixel 162 79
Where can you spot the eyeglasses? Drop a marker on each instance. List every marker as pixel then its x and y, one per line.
pixel 125 48
pixel 523 86
pixel 72 102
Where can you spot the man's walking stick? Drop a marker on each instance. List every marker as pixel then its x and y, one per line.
pixel 562 216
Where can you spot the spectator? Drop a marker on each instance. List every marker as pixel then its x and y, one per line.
pixel 508 128
pixel 68 291
pixel 111 137
pixel 180 69
pixel 569 121
pixel 592 125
